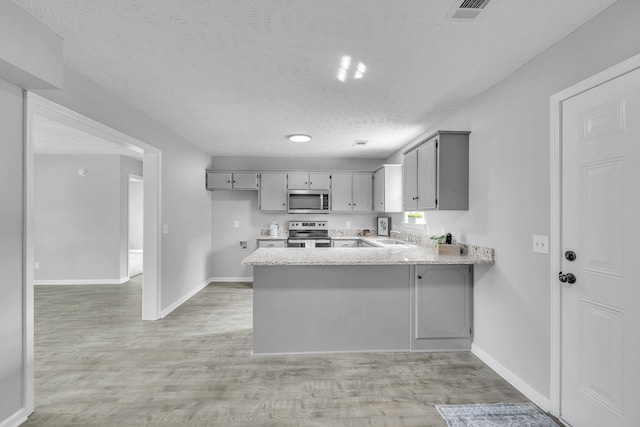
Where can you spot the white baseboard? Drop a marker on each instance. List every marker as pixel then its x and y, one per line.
pixel 185 298
pixel 522 386
pixel 82 282
pixel 16 419
pixel 231 279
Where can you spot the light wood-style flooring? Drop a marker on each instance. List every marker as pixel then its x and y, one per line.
pixel 98 364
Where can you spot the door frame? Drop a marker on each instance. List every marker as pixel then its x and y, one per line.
pixel 152 164
pixel 555 247
pixel 132 177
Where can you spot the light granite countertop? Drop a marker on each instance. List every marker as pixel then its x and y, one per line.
pixel 382 254
pixel 278 237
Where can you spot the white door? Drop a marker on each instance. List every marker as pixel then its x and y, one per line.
pixel 600 324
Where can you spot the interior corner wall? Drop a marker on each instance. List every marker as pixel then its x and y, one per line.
pixel 185 203
pixel 509 189
pixel 126 167
pixel 77 218
pixel 11 251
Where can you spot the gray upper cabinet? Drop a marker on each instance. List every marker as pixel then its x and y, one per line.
pixel 273 192
pixel 436 173
pixel 308 181
pixel 232 180
pixel 351 192
pixel 387 189
pixel 442 303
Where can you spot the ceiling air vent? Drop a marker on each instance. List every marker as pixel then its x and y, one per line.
pixel 360 142
pixel 468 9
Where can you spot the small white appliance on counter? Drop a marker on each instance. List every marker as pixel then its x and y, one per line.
pixel 308 234
pixel 273 229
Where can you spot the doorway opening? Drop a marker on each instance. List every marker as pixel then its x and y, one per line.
pixel 40 109
pixel 135 234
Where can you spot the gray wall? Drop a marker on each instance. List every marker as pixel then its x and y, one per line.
pixel 292 164
pixel 77 218
pixel 11 308
pixel 186 205
pixel 509 188
pixel 136 215
pixel 81 221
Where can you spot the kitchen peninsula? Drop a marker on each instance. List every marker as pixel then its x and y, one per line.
pixel 392 297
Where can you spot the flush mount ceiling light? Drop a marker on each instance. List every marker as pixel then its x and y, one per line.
pixel 299 137
pixel 345 64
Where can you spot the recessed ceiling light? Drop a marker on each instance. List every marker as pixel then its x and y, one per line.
pixel 299 137
pixel 345 64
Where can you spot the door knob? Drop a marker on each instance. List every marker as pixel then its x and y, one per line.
pixel 567 278
pixel 570 255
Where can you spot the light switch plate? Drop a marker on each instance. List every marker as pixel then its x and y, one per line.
pixel 236 223
pixel 540 244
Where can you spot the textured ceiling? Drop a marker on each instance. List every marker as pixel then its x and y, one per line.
pixel 52 137
pixel 236 76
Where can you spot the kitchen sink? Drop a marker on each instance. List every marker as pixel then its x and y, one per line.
pixel 393 242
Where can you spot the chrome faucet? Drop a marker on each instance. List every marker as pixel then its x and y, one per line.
pixel 395 231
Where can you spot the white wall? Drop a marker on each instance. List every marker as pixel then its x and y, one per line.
pixel 509 188
pixel 136 215
pixel 186 205
pixel 11 308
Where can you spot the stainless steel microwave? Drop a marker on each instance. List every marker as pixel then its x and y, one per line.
pixel 308 201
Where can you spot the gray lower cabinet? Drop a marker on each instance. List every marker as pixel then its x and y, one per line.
pixel 441 307
pixel 272 243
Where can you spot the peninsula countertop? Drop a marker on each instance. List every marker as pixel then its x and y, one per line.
pixel 399 253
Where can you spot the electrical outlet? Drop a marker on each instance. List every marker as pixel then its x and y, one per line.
pixel 243 245
pixel 165 228
pixel 541 244
pixel 236 223
pixel 37 265
pixel 348 224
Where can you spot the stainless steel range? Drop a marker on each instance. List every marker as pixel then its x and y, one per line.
pixel 305 234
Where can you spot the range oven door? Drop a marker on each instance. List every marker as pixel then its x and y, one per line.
pixel 308 201
pixel 302 243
